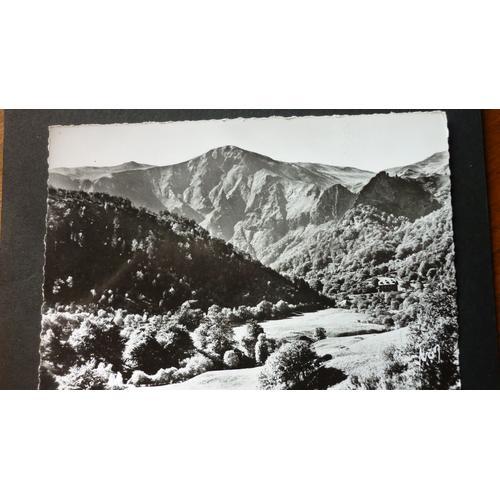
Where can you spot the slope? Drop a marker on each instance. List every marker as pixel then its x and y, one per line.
pixel 102 250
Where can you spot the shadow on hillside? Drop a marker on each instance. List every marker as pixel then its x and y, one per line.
pixel 358 332
pixel 322 379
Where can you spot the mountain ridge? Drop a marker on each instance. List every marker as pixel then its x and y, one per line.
pixel 243 197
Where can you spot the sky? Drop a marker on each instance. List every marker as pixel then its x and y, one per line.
pixel 370 142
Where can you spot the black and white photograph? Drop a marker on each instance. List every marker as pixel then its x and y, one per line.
pixel 273 253
pixel 249 250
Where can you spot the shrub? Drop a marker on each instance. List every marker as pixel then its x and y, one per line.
pixel 307 339
pixel 401 319
pixel 264 348
pixel 395 367
pixel 164 376
pixel 395 304
pixel 290 365
pixel 319 334
pixel 388 322
pixel 370 382
pixel 261 349
pixel 115 382
pixel 231 359
pixel 118 319
pixel 90 375
pixel 264 309
pixel 281 308
pixel 139 378
pixel 193 366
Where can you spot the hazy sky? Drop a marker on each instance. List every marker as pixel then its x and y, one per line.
pixel 372 142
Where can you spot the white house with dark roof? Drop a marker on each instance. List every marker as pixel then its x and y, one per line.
pixel 386 284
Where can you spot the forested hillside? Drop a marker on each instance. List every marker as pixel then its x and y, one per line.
pixel 102 250
pixel 345 257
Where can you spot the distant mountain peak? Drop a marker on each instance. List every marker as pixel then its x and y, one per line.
pixel 244 197
pixel 438 160
pixel 233 150
pixel 440 155
pixel 433 173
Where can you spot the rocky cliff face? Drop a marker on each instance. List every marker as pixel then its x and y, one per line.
pixel 397 196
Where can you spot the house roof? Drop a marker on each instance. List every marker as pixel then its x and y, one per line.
pixel 387 281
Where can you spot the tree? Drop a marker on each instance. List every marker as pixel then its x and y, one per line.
pixel 429 358
pixel 433 341
pixel 143 352
pixel 90 375
pixel 154 342
pixel 56 353
pixel 290 365
pixel 388 322
pixel 231 359
pixel 188 315
pixel 249 339
pixel 319 333
pixel 394 304
pixel 264 309
pixel 263 348
pixel 215 334
pixel 196 364
pixel 173 337
pixel 98 337
pixel 282 308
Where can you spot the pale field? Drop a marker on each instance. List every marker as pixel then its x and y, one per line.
pixel 352 352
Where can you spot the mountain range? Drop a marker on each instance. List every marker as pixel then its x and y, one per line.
pixel 261 205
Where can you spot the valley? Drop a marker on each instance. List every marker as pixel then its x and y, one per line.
pixel 201 273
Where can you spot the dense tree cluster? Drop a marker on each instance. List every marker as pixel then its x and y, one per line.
pixel 144 262
pixel 367 243
pixel 82 344
pixel 345 260
pixel 429 358
pixel 90 348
